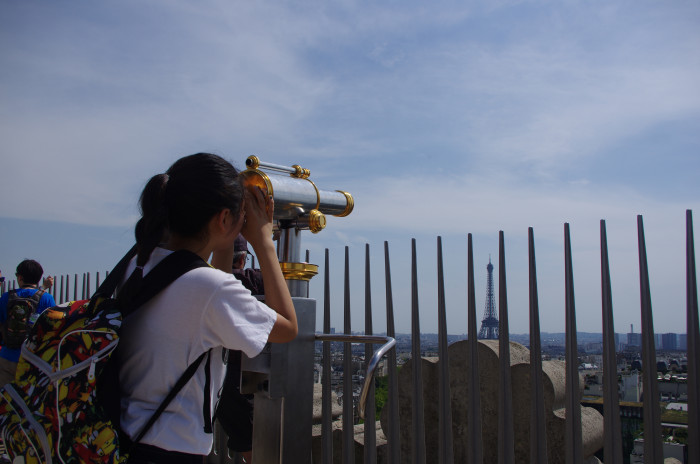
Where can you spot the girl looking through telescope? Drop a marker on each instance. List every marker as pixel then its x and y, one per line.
pixel 198 205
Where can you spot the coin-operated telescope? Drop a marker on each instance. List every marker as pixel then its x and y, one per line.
pixel 299 206
pixel 281 377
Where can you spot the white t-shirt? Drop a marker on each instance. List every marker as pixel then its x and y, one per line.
pixel 203 309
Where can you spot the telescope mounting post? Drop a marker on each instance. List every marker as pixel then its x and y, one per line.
pixel 282 428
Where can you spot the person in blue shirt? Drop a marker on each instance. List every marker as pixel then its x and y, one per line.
pixel 28 275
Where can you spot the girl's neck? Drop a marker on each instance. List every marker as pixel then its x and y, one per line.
pixel 196 246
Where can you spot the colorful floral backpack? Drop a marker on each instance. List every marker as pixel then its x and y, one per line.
pixel 58 409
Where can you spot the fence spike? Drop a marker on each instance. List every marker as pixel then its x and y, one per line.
pixel 446 451
pixel 348 397
pixel 327 408
pixel 506 433
pixel 538 433
pixel 693 338
pixel 653 451
pixel 370 447
pixel 475 447
pixel 394 440
pixel 574 446
pixel 611 404
pixel 418 414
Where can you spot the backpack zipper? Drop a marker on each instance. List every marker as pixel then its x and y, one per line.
pixel 33 424
pixel 55 375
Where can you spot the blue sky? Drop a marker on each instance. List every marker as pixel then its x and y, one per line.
pixel 441 118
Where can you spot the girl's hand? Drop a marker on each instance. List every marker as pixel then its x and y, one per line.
pixel 259 210
pixel 257 229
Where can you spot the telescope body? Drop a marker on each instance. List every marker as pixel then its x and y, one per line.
pixel 299 205
pixel 294 193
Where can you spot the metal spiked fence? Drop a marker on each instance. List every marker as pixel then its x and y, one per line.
pixel 613 453
pixel 66 287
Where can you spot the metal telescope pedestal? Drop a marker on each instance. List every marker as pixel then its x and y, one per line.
pixel 282 377
pixel 282 421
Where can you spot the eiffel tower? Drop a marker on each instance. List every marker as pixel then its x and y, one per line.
pixel 489 325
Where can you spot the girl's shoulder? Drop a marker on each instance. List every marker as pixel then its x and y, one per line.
pixel 208 273
pixel 208 280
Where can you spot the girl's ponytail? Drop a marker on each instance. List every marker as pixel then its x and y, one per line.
pixel 149 231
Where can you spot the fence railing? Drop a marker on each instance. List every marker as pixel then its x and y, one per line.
pixel 574 448
pixel 66 287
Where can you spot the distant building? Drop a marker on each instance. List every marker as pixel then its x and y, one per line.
pixel 658 343
pixel 634 339
pixel 661 366
pixel 669 341
pixel 670 450
pixel 593 347
pixel 630 386
pixel 683 342
pixel 636 365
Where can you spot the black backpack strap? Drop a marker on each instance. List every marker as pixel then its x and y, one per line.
pixel 206 407
pixel 113 279
pixel 163 274
pixel 37 295
pixel 184 378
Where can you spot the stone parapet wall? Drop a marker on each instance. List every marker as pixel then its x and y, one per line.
pixel 554 392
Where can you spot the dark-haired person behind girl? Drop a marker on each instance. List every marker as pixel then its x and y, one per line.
pixel 199 205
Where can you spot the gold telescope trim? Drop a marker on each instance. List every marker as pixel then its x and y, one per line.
pixel 317 221
pixel 300 172
pixel 298 271
pixel 260 180
pixel 253 162
pixel 318 195
pixel 350 204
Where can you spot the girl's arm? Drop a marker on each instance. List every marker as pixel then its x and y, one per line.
pixel 257 229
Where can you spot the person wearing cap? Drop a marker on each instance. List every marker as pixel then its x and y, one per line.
pixel 250 278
